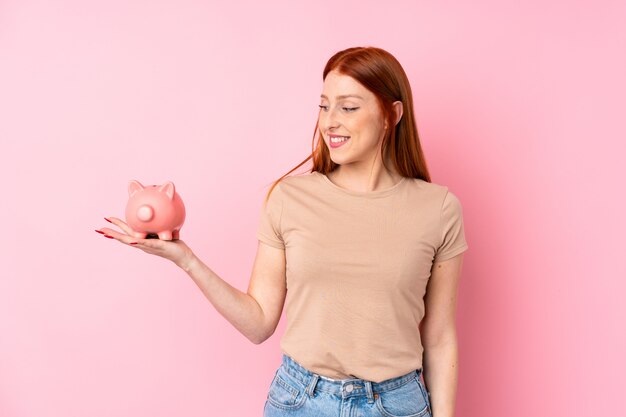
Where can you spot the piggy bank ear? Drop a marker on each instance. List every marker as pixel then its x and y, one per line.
pixel 133 187
pixel 168 188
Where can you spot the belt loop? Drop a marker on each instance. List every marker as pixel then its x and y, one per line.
pixel 370 393
pixel 311 388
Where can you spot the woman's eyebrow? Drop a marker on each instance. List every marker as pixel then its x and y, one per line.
pixel 343 96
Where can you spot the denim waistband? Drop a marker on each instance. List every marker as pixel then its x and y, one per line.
pixel 350 387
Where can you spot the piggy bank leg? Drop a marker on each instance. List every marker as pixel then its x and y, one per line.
pixel 167 235
pixel 139 235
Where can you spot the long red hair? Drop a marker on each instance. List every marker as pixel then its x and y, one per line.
pixel 381 73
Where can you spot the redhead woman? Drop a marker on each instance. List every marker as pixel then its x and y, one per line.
pixel 369 250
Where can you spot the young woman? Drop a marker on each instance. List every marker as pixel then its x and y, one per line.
pixel 370 250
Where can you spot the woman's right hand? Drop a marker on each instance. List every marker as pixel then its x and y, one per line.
pixel 175 250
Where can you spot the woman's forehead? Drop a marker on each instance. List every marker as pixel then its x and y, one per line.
pixel 338 86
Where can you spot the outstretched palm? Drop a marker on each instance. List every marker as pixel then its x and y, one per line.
pixel 175 250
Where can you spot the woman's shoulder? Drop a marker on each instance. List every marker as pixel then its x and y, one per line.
pixel 430 187
pixel 434 193
pixel 300 180
pixel 295 185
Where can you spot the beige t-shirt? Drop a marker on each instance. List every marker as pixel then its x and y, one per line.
pixel 357 268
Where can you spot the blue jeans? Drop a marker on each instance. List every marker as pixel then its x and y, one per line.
pixel 296 391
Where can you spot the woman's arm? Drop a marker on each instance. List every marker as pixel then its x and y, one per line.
pixel 255 313
pixel 438 333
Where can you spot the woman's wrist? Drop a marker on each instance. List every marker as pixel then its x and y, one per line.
pixel 188 262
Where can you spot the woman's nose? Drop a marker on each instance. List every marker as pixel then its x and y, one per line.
pixel 329 120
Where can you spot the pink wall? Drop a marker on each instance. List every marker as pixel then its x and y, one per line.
pixel 518 105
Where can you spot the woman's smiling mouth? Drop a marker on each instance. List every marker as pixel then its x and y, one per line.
pixel 336 141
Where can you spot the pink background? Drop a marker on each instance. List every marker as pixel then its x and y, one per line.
pixel 518 107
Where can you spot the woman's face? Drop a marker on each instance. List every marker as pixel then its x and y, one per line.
pixel 349 110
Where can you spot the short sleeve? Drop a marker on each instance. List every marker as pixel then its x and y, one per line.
pixel 269 230
pixel 453 235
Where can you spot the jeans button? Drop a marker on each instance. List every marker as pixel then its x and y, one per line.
pixel 349 388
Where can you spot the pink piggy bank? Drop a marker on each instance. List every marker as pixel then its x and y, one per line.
pixel 155 209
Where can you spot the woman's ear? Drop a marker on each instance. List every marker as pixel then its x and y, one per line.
pixel 398 109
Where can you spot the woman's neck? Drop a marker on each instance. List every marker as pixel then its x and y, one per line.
pixel 354 179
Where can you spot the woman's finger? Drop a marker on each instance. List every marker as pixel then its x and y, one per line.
pixel 121 224
pixel 112 234
pixel 107 231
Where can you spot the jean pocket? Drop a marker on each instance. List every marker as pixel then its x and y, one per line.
pixel 285 391
pixel 426 394
pixel 407 400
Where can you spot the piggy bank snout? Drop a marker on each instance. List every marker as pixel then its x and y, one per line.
pixel 145 213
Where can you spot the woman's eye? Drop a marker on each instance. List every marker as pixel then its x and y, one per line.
pixel 346 109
